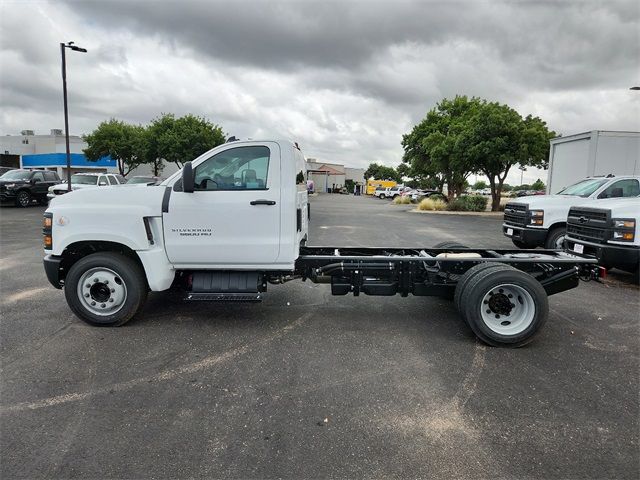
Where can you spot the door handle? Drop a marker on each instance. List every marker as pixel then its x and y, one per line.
pixel 262 202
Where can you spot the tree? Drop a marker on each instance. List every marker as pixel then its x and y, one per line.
pixel 182 139
pixel 480 185
pixel 403 170
pixel 433 146
pixel 538 185
pixel 496 138
pixel 124 143
pixel 381 172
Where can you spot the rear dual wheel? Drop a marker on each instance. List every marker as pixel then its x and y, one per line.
pixel 503 306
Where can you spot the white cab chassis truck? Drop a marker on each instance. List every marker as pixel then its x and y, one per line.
pixel 609 230
pixel 235 220
pixel 541 220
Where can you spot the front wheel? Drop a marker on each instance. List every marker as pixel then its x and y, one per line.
pixel 382 195
pixel 555 238
pixel 504 307
pixel 106 289
pixel 23 199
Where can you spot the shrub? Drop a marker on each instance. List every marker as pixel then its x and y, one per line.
pixel 431 204
pixel 438 196
pixel 402 200
pixel 468 203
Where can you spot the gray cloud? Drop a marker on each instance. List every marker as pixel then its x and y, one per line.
pixel 346 79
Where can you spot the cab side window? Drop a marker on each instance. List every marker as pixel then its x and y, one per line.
pixel 622 188
pixel 241 168
pixel 50 176
pixel 112 180
pixel 38 177
pixel 102 180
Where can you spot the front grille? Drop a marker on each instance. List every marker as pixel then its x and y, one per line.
pixel 516 214
pixel 589 224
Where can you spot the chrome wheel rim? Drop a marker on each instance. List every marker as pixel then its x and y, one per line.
pixel 560 242
pixel 507 309
pixel 102 291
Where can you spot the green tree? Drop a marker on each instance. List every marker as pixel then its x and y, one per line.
pixel 124 143
pixel 182 139
pixel 496 138
pixel 381 172
pixel 480 185
pixel 538 185
pixel 433 146
pixel 403 170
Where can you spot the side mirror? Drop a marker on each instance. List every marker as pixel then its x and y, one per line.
pixel 187 178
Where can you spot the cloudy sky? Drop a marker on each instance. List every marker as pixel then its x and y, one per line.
pixel 344 79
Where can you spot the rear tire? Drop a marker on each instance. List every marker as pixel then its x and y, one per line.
pixel 106 289
pixel 504 307
pixel 468 275
pixel 23 199
pixel 555 238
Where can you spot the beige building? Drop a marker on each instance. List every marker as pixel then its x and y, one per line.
pixel 328 177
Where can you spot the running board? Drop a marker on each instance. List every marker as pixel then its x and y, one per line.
pixel 224 297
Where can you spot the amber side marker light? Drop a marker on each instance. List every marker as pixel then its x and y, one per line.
pixel 48 242
pixel 47 222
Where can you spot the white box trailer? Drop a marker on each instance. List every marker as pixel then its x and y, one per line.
pixel 595 153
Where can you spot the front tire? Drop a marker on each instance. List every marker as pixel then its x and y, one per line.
pixel 555 238
pixel 106 289
pixel 504 307
pixel 382 195
pixel 23 199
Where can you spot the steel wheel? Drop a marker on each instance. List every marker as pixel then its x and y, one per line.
pixel 508 309
pixel 101 291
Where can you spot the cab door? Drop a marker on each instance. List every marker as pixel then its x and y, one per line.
pixel 232 219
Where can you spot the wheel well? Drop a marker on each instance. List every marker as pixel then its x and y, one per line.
pixel 78 250
pixel 558 224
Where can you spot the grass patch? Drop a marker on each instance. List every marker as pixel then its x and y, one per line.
pixel 432 204
pixel 402 200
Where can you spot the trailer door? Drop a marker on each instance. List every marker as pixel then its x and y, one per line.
pixel 233 217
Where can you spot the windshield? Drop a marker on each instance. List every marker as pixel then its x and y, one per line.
pixel 141 180
pixel 84 179
pixel 16 175
pixel 584 188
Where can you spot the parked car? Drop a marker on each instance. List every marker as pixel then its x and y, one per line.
pixel 86 180
pixel 540 220
pixel 608 229
pixel 22 187
pixel 393 192
pixel 419 194
pixel 144 180
pixel 379 191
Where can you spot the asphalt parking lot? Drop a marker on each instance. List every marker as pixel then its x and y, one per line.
pixel 307 385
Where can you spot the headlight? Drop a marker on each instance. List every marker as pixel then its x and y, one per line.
pixel 624 230
pixel 537 217
pixel 624 223
pixel 51 189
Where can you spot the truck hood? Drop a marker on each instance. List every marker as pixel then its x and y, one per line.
pixel 146 201
pixel 74 186
pixel 628 207
pixel 541 201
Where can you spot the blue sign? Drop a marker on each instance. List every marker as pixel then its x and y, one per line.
pixel 60 160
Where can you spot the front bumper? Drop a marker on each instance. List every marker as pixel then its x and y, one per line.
pixel 52 269
pixel 7 196
pixel 530 236
pixel 609 255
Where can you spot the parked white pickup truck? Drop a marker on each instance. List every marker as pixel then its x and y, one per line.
pixel 80 181
pixel 608 229
pixel 541 220
pixel 236 219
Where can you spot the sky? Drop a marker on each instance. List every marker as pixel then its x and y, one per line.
pixel 344 79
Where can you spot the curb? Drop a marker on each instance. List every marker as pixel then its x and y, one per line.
pixel 443 212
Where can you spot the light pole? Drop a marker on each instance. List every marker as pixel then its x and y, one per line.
pixel 73 47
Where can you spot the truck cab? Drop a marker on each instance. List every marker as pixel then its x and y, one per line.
pixel 609 230
pixel 540 220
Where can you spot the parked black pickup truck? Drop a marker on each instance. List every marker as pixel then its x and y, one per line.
pixel 21 187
